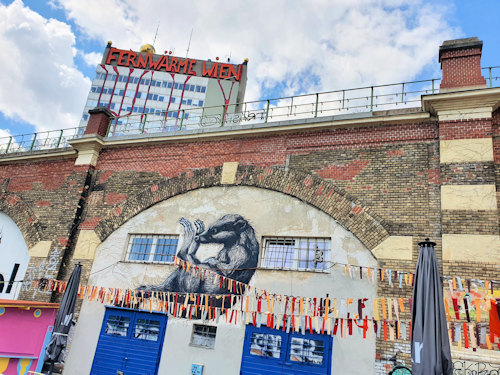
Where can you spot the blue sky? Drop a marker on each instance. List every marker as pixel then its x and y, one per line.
pixel 294 47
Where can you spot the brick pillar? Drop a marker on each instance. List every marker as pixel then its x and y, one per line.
pixel 461 64
pixel 99 121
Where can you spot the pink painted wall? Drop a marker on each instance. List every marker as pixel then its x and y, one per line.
pixel 23 333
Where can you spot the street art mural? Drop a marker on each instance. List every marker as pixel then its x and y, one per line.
pixel 237 259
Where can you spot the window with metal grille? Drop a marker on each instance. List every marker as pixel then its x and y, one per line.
pixel 294 253
pixel 307 351
pixel 117 325
pixel 203 335
pixel 265 345
pixel 152 248
pixel 147 329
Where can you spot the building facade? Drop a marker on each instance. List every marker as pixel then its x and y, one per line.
pixel 311 213
pixel 168 91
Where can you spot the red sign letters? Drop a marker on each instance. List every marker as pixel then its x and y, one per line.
pixel 173 64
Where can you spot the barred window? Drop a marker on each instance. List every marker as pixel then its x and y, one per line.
pixel 117 325
pixel 307 351
pixel 203 335
pixel 147 329
pixel 265 345
pixel 152 248
pixel 301 254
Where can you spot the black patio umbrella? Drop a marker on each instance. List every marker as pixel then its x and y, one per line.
pixel 430 346
pixel 64 319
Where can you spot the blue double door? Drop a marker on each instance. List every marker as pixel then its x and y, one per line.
pixel 271 352
pixel 130 343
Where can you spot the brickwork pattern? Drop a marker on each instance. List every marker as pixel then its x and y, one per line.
pixel 470 222
pixel 465 129
pixel 461 68
pixel 468 173
pixel 393 180
pixel 43 197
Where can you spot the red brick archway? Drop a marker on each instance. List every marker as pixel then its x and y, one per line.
pixel 324 195
pixel 27 222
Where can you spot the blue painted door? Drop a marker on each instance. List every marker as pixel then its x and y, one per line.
pixel 130 342
pixel 271 352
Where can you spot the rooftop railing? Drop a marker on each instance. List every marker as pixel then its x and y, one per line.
pixel 368 99
pixel 48 140
pixel 299 107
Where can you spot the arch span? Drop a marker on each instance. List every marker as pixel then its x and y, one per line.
pixel 14 207
pixel 324 195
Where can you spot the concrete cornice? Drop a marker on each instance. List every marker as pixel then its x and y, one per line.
pixel 86 142
pixel 46 155
pixel 462 100
pixel 88 148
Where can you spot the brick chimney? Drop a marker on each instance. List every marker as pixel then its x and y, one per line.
pixel 461 64
pixel 98 121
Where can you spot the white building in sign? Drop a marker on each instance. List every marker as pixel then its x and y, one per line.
pixel 164 91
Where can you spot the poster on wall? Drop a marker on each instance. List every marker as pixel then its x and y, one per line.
pixel 14 256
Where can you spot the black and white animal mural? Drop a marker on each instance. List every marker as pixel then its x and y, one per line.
pixel 237 259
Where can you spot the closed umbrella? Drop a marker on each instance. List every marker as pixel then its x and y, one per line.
pixel 64 318
pixel 430 346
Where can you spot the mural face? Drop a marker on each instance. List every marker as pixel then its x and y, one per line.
pixel 236 260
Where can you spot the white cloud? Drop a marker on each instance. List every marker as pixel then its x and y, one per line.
pixel 91 58
pixel 304 46
pixel 4 133
pixel 40 82
pixel 296 46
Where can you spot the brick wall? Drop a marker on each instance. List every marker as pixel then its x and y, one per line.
pixel 377 181
pixel 42 197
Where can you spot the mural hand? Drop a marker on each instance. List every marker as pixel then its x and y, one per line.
pixel 200 226
pixel 188 227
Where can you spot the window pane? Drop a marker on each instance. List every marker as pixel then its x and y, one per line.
pixel 307 351
pixel 140 248
pixel 152 247
pixel 279 253
pixel 304 254
pixel 117 325
pixel 146 329
pixel 265 345
pixel 204 335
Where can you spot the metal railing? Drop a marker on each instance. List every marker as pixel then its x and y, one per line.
pixel 368 99
pixel 48 140
pixel 299 107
